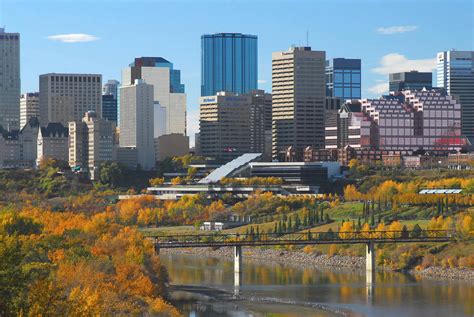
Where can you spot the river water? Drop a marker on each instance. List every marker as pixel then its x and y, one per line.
pixel 204 287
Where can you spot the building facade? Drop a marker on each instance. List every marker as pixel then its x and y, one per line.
pixel 110 100
pixel 66 97
pixel 298 100
pixel 169 93
pixel 343 78
pixel 229 62
pixel 171 145
pixel 91 143
pixel 29 107
pixel 53 143
pixel 9 80
pixel 224 125
pixel 412 80
pixel 136 121
pixel 455 73
pixel 411 121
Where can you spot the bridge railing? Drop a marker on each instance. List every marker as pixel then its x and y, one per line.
pixel 225 238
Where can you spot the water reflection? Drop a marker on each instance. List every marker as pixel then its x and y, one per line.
pixel 379 294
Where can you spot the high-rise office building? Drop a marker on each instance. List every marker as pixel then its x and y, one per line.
pixel 261 123
pixel 343 78
pixel 233 124
pixel 412 80
pixel 29 107
pixel 9 80
pixel 298 100
pixel 111 88
pixel 110 100
pixel 90 143
pixel 136 121
pixel 229 63
pixel 169 96
pixel 66 97
pixel 455 73
pixel 224 125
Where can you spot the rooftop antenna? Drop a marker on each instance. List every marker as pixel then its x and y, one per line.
pixel 307 38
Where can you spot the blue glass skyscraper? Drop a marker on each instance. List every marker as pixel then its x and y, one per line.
pixel 228 63
pixel 343 78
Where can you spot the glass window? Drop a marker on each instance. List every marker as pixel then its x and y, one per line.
pixel 347 78
pixel 338 77
pixel 356 93
pixel 338 92
pixel 347 93
pixel 356 77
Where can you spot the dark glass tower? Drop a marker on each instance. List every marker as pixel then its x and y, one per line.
pixel 228 63
pixel 412 80
pixel 343 78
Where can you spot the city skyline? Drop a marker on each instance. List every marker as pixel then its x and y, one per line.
pixel 396 43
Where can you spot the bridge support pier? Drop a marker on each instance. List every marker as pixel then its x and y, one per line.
pixel 156 248
pixel 237 266
pixel 370 257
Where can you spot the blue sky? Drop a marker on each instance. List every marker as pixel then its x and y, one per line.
pixel 387 35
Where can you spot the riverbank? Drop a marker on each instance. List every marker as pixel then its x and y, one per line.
pixel 302 259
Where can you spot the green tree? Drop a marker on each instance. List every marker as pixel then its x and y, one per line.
pixel 13 280
pixel 111 173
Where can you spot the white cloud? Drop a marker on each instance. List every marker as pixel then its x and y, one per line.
pixel 73 38
pixel 394 63
pixel 262 81
pixel 379 88
pixel 396 29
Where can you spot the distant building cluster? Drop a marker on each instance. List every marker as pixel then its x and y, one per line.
pixel 315 111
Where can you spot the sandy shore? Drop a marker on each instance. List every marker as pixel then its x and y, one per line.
pixel 301 259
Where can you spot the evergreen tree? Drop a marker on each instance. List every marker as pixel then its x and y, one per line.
pixel 284 227
pixel 372 220
pixel 416 232
pixel 359 224
pixel 317 218
pixel 297 222
pixel 306 221
pixel 290 223
pixel 404 232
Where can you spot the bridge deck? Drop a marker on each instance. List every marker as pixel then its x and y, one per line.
pixel 300 238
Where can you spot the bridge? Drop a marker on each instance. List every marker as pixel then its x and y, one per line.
pixel 237 241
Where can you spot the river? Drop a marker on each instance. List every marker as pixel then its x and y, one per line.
pixel 204 287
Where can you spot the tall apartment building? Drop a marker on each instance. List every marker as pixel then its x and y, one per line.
pixel 298 100
pixel 9 80
pixel 412 120
pixel 343 78
pixel 53 142
pixel 412 80
pixel 229 62
pixel 136 121
pixel 110 100
pixel 455 73
pixel 90 143
pixel 168 91
pixel 29 107
pixel 66 97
